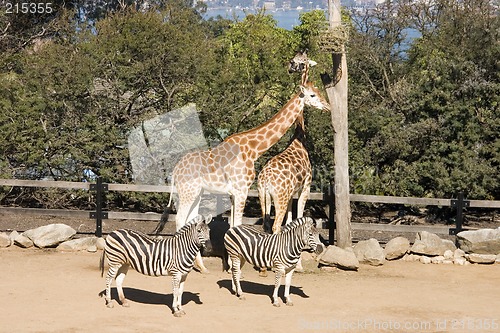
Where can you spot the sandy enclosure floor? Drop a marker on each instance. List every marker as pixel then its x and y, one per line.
pixel 49 291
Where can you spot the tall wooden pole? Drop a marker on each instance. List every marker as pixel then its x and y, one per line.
pixel 336 88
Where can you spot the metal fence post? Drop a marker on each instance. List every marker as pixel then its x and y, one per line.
pixel 329 197
pixel 99 215
pixel 460 204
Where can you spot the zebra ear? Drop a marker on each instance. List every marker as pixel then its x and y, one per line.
pixel 208 219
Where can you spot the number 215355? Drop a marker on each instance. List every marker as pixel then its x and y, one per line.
pixel 28 7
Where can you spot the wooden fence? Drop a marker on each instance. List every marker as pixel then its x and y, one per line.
pixel 100 188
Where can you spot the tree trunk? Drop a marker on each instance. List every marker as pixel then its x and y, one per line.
pixel 337 94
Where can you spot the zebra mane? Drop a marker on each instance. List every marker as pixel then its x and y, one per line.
pixel 296 223
pixel 185 227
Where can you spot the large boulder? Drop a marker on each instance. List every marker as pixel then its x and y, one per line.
pixel 477 258
pixel 80 244
pixel 5 240
pixel 50 235
pixel 370 252
pixel 338 257
pixel 482 241
pixel 429 244
pixel 396 248
pixel 23 241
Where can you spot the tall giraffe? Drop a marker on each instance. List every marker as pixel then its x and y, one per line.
pixel 290 171
pixel 229 167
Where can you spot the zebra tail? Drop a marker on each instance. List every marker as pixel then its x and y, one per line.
pixel 101 264
pixel 225 261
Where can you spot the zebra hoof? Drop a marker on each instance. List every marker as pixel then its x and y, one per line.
pixel 263 273
pixel 178 314
pixel 289 303
pixel 109 305
pixel 277 305
pixel 126 304
pixel 242 298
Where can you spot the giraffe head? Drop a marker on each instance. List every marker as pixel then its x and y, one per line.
pixel 301 63
pixel 312 97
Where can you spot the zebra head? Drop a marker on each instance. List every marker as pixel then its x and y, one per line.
pixel 311 237
pixel 203 231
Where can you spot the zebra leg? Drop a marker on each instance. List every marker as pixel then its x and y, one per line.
pixel 181 291
pixel 176 304
pixel 109 279
pixel 122 272
pixel 277 282
pixel 236 273
pixel 288 282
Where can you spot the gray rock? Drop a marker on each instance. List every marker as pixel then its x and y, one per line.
pixel 449 245
pixel 100 243
pixel 5 240
pixel 477 258
pixel 50 235
pixel 448 254
pixel 459 261
pixel 429 244
pixel 338 257
pixel 370 252
pixel 425 260
pixel 23 241
pixel 92 248
pixel 396 248
pixel 80 244
pixel 437 260
pixel 13 235
pixel 483 241
pixel 458 253
pixel 497 261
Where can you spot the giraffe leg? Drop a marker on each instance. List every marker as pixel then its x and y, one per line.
pixel 122 273
pixel 280 206
pixel 301 203
pixel 288 282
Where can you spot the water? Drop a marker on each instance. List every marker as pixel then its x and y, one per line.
pixel 286 19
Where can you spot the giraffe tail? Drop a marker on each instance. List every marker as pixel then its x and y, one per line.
pixel 166 212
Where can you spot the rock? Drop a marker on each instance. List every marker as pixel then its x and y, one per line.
pixel 23 241
pixel 449 245
pixel 448 254
pixel 92 249
pixel 477 258
pixel 370 252
pixel 429 244
pixel 13 235
pixel 459 261
pixel 396 248
pixel 338 257
pixel 458 254
pixel 100 243
pixel 425 260
pixel 5 240
pixel 447 262
pixel 437 260
pixel 497 261
pixel 482 241
pixel 80 244
pixel 50 235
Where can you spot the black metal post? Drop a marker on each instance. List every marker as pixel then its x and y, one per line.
pixel 329 197
pixel 460 204
pixel 99 215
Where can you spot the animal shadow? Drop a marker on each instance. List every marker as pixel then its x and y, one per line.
pixel 250 287
pixel 148 297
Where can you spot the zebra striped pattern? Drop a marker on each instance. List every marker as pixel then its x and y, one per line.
pixel 170 256
pixel 280 251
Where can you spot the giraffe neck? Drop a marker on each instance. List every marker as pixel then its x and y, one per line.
pixel 257 141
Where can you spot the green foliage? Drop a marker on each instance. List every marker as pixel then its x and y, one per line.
pixel 423 116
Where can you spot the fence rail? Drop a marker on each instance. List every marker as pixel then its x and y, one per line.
pixel 100 188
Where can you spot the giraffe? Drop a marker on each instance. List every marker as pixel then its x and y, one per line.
pixel 290 171
pixel 284 175
pixel 229 167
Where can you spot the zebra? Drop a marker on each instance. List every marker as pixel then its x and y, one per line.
pixel 280 251
pixel 154 257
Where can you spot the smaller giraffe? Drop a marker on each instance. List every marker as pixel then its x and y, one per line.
pixel 285 175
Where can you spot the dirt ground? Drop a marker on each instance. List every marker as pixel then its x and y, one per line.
pixel 50 291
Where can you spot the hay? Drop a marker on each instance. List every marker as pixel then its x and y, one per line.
pixel 331 40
